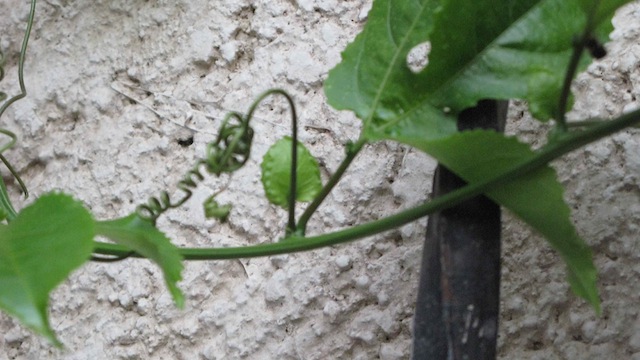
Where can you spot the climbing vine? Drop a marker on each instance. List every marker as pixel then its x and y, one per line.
pixel 479 50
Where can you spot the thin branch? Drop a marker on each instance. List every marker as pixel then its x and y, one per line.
pixel 291 224
pixel 579 45
pixel 352 151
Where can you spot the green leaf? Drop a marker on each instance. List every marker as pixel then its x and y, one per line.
pixel 500 49
pixel 142 237
pixel 276 173
pixel 537 198
pixel 38 250
pixel 212 209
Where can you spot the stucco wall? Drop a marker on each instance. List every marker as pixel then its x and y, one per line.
pixel 114 84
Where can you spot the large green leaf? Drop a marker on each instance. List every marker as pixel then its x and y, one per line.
pixel 276 173
pixel 498 49
pixel 537 197
pixel 142 237
pixel 38 250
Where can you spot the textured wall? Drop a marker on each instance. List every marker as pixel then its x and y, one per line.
pixel 114 84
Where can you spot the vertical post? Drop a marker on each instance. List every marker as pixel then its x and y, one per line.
pixel 459 292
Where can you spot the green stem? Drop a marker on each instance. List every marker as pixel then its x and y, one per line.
pixel 23 91
pixel 561 121
pixel 293 180
pixel 552 151
pixel 23 55
pixel 13 172
pixel 578 48
pixel 291 224
pixel 5 202
pixel 12 140
pixel 585 123
pixel 352 152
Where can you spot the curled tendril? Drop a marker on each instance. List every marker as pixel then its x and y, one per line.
pixel 228 153
pixel 3 95
pixel 23 93
pixel 232 147
pixel 214 210
pixel 3 148
pixel 156 206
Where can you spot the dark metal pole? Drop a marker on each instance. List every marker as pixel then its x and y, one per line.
pixel 459 292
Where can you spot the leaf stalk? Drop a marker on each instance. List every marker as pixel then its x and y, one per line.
pixel 352 151
pixel 579 44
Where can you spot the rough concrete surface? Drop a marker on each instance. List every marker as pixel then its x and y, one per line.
pixel 115 84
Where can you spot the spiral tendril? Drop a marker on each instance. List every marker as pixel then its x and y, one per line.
pixel 23 93
pixel 228 153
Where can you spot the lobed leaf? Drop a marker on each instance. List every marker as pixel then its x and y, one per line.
pixel 38 250
pixel 501 49
pixel 141 236
pixel 537 198
pixel 276 173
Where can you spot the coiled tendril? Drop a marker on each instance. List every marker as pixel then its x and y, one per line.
pixel 232 148
pixel 13 138
pixel 3 95
pixel 228 153
pixel 7 103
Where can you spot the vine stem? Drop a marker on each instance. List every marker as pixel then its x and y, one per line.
pixel 3 190
pixel 23 55
pixel 570 142
pixel 352 152
pixel 5 202
pixel 291 223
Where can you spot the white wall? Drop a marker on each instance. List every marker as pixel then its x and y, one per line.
pixel 355 301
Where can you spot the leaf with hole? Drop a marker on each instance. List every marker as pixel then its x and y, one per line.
pixel 38 250
pixel 499 50
pixel 276 173
pixel 479 50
